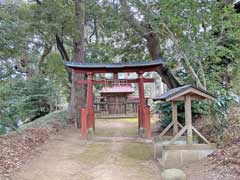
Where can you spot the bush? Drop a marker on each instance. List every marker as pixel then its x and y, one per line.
pixel 164 109
pixel 25 100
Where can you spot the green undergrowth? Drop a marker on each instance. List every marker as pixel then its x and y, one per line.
pixel 56 116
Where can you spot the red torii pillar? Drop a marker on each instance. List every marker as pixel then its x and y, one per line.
pixel 90 108
pixel 147 122
pixel 87 117
pixel 141 100
pixel 144 111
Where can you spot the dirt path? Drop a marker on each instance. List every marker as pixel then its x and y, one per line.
pixel 116 154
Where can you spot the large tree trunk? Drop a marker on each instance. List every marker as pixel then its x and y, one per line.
pixel 153 45
pixel 78 97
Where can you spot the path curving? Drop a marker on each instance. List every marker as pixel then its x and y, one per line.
pixel 116 153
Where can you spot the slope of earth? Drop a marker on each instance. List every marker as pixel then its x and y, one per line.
pixel 16 147
pixel 224 163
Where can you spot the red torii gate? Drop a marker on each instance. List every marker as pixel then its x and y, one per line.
pixel 92 68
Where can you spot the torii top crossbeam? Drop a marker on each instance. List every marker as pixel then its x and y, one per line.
pixel 115 67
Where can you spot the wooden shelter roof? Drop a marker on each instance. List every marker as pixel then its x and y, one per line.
pixel 115 67
pixel 177 93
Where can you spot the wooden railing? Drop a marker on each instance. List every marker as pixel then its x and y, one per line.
pixel 116 108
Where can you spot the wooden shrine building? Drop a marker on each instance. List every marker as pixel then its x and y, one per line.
pixel 113 100
pixel 90 69
pixel 117 101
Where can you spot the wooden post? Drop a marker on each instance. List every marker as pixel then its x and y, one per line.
pixel 174 118
pixel 93 113
pixel 139 118
pixel 91 118
pixel 84 123
pixel 141 98
pixel 115 76
pixel 90 99
pixel 147 122
pixel 188 118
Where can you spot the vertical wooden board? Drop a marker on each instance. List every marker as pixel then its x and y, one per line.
pixel 90 99
pixel 141 97
pixel 84 123
pixel 147 122
pixel 174 118
pixel 139 119
pixel 188 118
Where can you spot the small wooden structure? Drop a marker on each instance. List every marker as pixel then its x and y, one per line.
pixel 115 98
pixel 117 101
pixel 185 93
pixel 90 69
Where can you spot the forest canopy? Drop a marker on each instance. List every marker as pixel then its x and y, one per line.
pixel 199 39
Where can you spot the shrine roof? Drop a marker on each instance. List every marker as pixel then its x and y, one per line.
pixel 117 89
pixel 175 93
pixel 119 67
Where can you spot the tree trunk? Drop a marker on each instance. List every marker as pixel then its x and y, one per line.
pixel 78 97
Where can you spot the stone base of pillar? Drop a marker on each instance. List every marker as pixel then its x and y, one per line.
pixel 141 131
pixel 91 133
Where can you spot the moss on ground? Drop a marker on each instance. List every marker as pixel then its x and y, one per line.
pixel 133 154
pixel 93 154
pixel 138 152
pixel 129 120
pixel 137 157
pixel 110 132
pixel 56 116
pixel 123 120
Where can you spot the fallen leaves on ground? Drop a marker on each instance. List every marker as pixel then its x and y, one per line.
pixel 227 157
pixel 15 147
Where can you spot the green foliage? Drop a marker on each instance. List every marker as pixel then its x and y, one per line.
pixel 220 107
pixel 12 30
pixel 22 100
pixel 236 83
pixel 164 109
pixel 56 116
pixel 204 32
pixel 54 70
pixel 207 33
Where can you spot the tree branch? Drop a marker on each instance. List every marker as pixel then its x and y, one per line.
pixel 38 2
pixel 94 30
pixel 61 48
pixel 202 74
pixel 129 17
pixel 63 52
pixel 153 43
pixel 46 51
